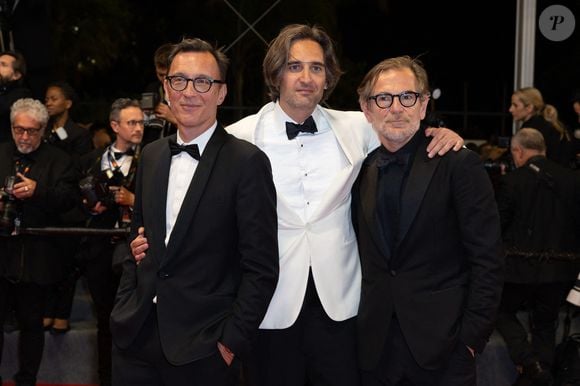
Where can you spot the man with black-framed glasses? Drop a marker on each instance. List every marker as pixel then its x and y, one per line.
pixel 429 240
pixel 39 180
pixel 204 239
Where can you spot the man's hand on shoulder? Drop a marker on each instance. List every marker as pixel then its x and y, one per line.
pixel 443 140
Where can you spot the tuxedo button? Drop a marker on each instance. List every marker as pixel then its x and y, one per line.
pixel 393 272
pixel 162 275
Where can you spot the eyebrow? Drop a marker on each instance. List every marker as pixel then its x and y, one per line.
pixel 301 62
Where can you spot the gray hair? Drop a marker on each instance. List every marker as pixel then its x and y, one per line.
pixel 530 139
pixel 121 104
pixel 31 107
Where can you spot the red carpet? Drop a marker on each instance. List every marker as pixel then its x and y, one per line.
pixel 9 383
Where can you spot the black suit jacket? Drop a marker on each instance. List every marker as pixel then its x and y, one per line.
pixel 34 258
pixel 443 281
pixel 539 206
pixel 215 278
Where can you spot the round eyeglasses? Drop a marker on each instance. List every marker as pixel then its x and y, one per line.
pixel 406 99
pixel 200 84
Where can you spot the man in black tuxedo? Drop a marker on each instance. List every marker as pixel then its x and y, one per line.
pixel 205 218
pixel 429 239
pixel 115 168
pixel 45 187
pixel 539 207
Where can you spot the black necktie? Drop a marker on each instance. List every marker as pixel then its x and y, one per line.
pixel 192 150
pixel 292 129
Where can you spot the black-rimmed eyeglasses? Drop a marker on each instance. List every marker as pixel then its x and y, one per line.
pixel 200 84
pixel 32 132
pixel 406 99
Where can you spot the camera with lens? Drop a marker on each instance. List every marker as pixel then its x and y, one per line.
pixel 95 188
pixel 501 166
pixel 148 102
pixel 8 210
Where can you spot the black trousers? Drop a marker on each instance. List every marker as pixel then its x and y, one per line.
pixel 27 299
pixel 315 351
pixel 544 302
pixel 398 367
pixel 144 364
pixel 96 266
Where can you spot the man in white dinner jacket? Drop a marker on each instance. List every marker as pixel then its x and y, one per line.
pixel 316 153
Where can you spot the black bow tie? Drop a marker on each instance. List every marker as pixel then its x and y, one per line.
pixel 292 129
pixel 119 154
pixel 384 159
pixel 192 150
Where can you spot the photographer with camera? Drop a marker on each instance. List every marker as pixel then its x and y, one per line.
pixel 40 181
pixel 539 207
pixel 159 120
pixel 107 192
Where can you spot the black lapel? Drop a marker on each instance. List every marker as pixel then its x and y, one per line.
pixel 419 178
pixel 159 184
pixel 368 197
pixel 196 188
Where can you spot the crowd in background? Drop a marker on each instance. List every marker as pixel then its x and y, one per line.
pixel 91 197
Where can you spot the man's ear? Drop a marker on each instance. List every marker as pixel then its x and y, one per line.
pixel 17 75
pixel 222 94
pixel 364 106
pixel 114 126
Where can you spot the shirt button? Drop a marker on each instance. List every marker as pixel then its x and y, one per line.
pixel 163 275
pixel 393 272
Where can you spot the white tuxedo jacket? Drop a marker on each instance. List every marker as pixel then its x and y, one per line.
pixel 326 241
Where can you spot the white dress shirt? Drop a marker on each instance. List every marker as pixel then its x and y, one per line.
pixel 181 172
pixel 303 168
pixel 124 162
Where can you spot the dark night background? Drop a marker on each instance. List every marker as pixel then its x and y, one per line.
pixel 104 48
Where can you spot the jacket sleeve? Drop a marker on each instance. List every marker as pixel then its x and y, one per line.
pixel 480 234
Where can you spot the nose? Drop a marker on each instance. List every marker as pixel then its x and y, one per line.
pixel 305 74
pixel 396 106
pixel 189 89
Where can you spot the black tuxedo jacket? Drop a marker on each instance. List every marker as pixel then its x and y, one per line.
pixel 539 207
pixel 444 279
pixel 217 274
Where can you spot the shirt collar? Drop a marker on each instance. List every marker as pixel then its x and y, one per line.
pixel 201 140
pixel 282 117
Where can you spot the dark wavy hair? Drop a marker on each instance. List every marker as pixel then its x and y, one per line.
pixel 278 53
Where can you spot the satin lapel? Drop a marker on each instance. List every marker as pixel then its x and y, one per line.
pixel 196 188
pixel 368 197
pixel 159 197
pixel 419 178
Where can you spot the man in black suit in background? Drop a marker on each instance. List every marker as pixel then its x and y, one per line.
pixel 115 167
pixel 539 207
pixel 429 240
pixel 205 213
pixel 45 186
pixel 12 73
